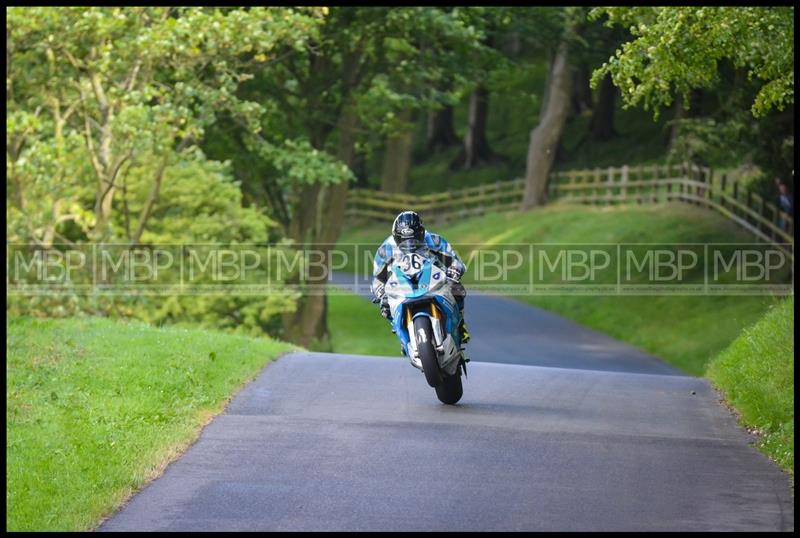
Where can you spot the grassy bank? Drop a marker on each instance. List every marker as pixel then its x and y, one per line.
pixel 756 374
pixel 357 327
pixel 687 331
pixel 95 408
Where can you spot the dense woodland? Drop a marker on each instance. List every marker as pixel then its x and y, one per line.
pixel 155 125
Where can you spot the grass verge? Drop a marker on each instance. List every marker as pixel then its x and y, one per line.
pixel 357 327
pixel 756 375
pixel 96 408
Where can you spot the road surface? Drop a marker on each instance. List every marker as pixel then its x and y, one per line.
pixel 574 432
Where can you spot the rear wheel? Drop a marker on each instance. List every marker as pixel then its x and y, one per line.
pixel 423 333
pixel 450 391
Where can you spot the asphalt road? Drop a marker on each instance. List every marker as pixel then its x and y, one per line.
pixel 582 433
pixel 511 332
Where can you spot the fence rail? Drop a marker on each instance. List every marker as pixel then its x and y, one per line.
pixel 658 183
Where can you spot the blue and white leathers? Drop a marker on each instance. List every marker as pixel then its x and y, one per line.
pixel 389 250
pixel 416 283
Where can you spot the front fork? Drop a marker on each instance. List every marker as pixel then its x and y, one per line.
pixel 438 335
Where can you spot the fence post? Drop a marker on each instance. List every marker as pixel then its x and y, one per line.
pixel 722 190
pixel 610 184
pixel 682 185
pixel 700 191
pixel 710 183
pixel 624 189
pixel 668 198
pixel 498 201
pixel 640 188
pixel 596 182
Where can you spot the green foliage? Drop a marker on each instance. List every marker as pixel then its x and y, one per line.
pixel 756 374
pixel 677 49
pixel 705 140
pixel 96 408
pixel 106 106
pixel 119 89
pixel 300 164
pixel 200 202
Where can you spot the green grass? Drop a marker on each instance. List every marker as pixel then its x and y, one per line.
pixel 686 331
pixel 756 374
pixel 96 408
pixel 357 327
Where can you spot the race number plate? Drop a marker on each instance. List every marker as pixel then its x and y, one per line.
pixel 411 264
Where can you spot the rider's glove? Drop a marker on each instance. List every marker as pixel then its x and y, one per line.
pixel 378 293
pixel 453 273
pixel 385 310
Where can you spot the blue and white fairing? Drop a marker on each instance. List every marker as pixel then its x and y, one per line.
pixel 415 283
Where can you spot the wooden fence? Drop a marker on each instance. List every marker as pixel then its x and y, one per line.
pixel 626 184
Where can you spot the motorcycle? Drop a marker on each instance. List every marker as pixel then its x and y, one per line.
pixel 425 318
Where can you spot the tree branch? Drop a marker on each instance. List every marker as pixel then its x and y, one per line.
pixel 151 199
pixel 87 134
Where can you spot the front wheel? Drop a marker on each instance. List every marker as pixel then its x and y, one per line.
pixel 423 332
pixel 450 391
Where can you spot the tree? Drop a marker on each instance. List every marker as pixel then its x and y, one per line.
pixel 677 49
pixel 744 55
pixel 93 92
pixel 476 148
pixel 602 124
pixel 475 145
pixel 441 133
pixel 546 135
pixel 340 89
pixel 397 157
pixel 106 107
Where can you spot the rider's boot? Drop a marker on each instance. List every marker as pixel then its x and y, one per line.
pixel 464 332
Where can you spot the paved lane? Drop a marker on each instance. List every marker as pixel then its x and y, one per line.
pixel 560 428
pixel 336 442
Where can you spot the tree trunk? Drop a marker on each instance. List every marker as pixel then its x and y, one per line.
pixel 308 323
pixel 321 216
pixel 544 138
pixel 515 46
pixel 337 199
pixel 582 92
pixel 678 115
pixel 360 170
pixel 441 134
pixel 547 81
pixel 476 149
pixel 397 158
pixel 602 126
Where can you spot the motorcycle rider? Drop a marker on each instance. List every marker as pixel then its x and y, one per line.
pixel 408 234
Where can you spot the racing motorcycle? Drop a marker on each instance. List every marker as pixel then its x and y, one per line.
pixel 425 318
